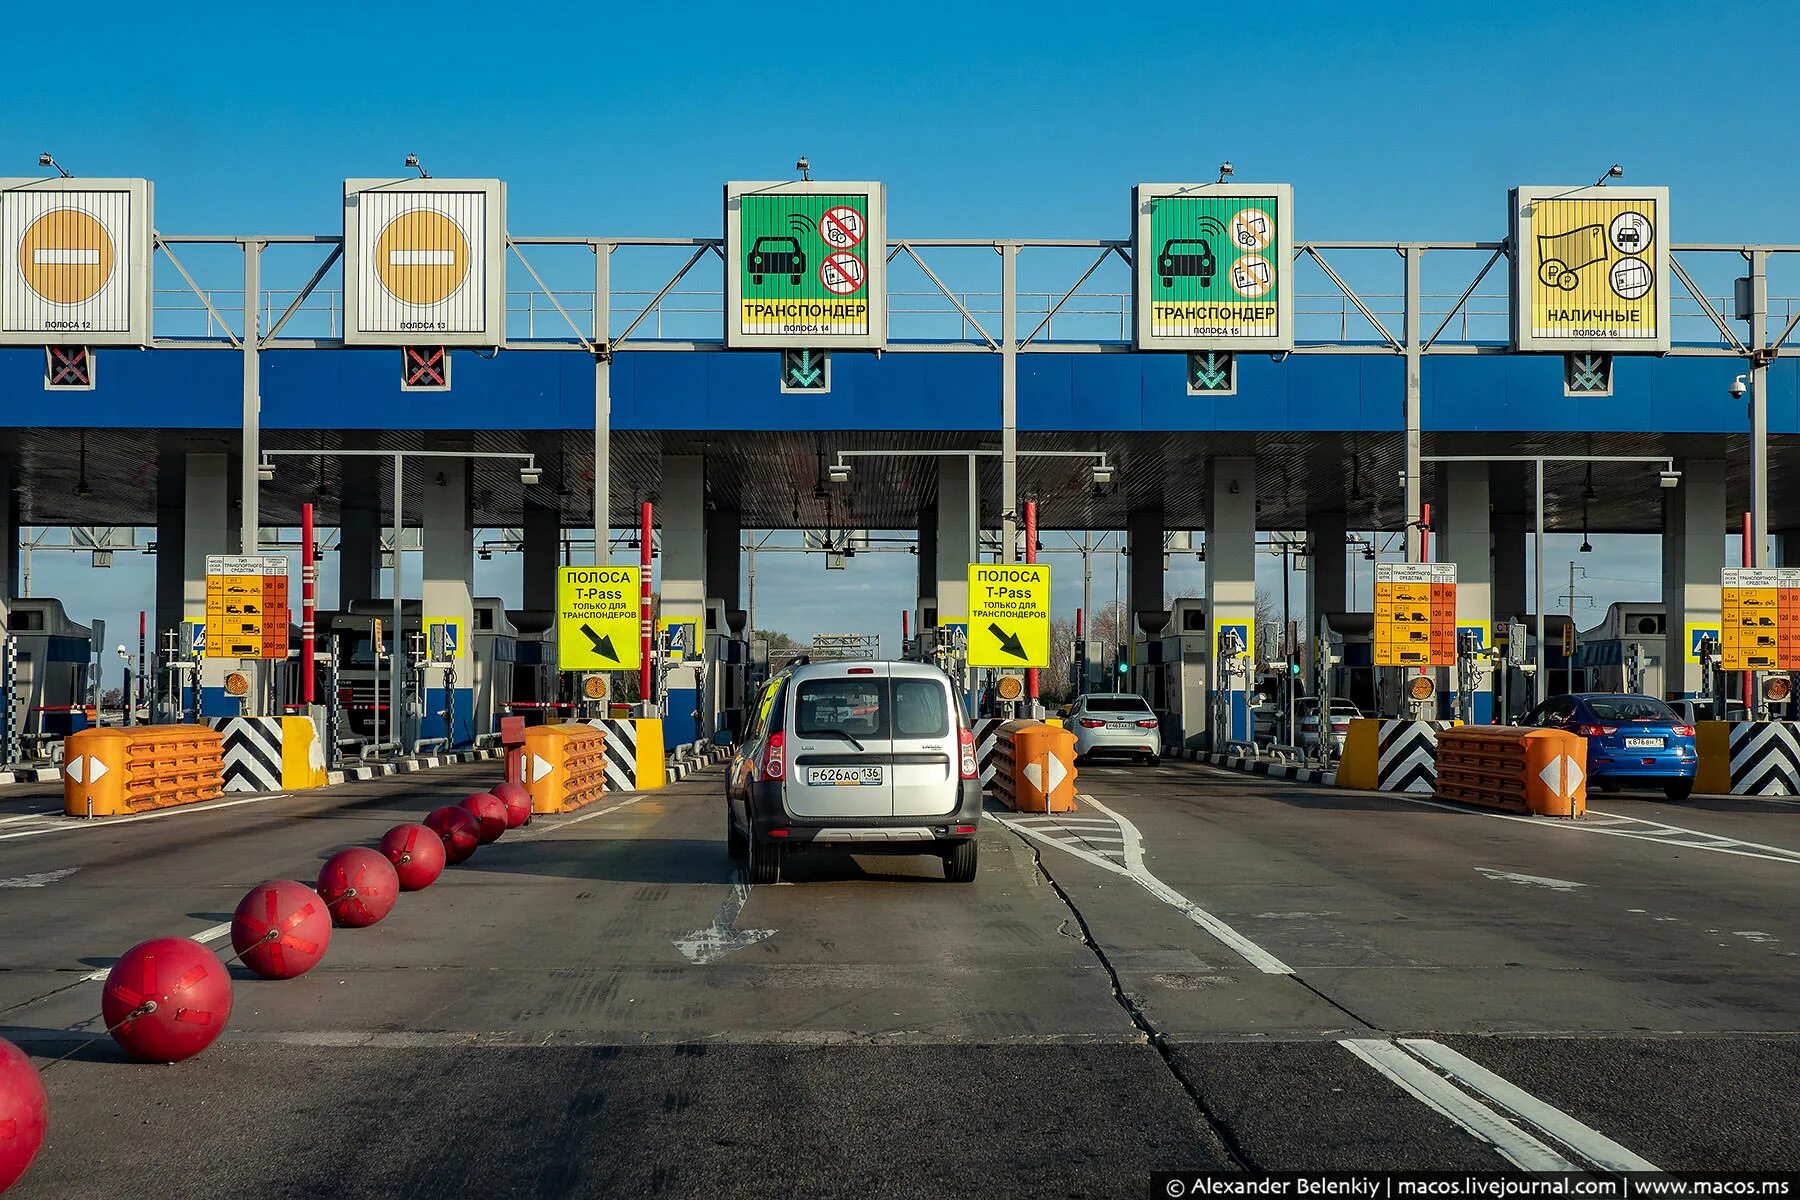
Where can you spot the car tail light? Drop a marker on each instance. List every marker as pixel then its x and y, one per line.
pixel 774 764
pixel 1682 730
pixel 1148 723
pixel 860 671
pixel 1596 730
pixel 965 740
pixel 778 833
pixel 1090 723
pixel 965 829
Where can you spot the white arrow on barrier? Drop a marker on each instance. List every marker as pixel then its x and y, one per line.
pixel 1035 773
pixel 540 767
pixel 1562 776
pixel 91 766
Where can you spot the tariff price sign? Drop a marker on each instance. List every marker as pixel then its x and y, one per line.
pixel 1009 614
pixel 1591 272
pixel 1415 614
pixel 805 265
pixel 1211 264
pixel 246 606
pixel 1760 619
pixel 597 627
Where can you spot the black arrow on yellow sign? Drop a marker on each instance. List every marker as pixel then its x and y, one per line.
pixel 1009 642
pixel 602 643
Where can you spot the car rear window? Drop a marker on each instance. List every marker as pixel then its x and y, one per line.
pixel 920 708
pixel 855 705
pixel 1119 704
pixel 1630 708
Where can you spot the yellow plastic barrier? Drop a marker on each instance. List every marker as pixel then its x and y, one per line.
pixel 652 758
pixel 113 772
pixel 1539 771
pixel 1034 767
pixel 1359 766
pixel 302 755
pixel 564 767
pixel 1712 744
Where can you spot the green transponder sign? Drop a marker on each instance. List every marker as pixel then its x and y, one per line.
pixel 1215 266
pixel 805 264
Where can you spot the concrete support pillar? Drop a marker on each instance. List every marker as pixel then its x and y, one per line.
pixel 541 552
pixel 360 524
pixel 1467 541
pixel 955 551
pixel 1145 604
pixel 447 599
pixel 171 541
pixel 1327 588
pixel 9 542
pixel 208 526
pixel 724 542
pixel 925 614
pixel 1512 532
pixel 681 512
pixel 1693 553
pixel 1231 588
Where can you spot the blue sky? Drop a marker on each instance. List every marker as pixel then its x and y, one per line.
pixel 1396 120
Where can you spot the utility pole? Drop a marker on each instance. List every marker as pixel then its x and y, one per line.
pixel 1571 611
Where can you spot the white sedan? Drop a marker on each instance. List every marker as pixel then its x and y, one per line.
pixel 1115 723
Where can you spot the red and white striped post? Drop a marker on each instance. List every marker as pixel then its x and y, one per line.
pixel 309 585
pixel 1031 673
pixel 645 631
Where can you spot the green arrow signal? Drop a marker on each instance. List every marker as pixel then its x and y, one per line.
pixel 804 370
pixel 1211 371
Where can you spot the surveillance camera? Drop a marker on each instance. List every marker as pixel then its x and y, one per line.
pixel 1739 388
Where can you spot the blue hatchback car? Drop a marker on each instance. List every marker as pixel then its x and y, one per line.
pixel 1632 740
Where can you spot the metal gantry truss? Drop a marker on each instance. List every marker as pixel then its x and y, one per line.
pixel 1371 318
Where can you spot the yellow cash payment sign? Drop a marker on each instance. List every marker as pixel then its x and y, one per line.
pixel 597 627
pixel 1009 614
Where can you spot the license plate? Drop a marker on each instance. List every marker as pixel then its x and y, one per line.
pixel 1643 743
pixel 1118 724
pixel 844 776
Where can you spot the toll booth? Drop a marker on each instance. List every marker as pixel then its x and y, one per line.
pixel 1353 674
pixel 541 693
pixel 483 687
pixel 51 683
pixel 1603 654
pixel 1170 672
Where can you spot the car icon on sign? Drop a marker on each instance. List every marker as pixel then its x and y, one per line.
pixel 776 256
pixel 1186 256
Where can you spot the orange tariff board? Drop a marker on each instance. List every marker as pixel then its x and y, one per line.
pixel 246 606
pixel 1760 619
pixel 1415 614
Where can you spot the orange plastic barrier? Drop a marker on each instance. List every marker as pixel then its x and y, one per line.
pixel 112 772
pixel 563 767
pixel 1034 767
pixel 1540 771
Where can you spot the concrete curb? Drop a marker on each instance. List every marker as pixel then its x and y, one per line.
pixel 703 756
pixel 31 775
pixel 1257 766
pixel 408 766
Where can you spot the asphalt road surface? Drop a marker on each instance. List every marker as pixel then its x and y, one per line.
pixel 1196 970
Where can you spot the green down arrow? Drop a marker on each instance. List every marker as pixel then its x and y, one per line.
pixel 805 370
pixel 1212 372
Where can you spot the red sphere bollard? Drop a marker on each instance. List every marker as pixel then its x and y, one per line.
pixel 281 929
pixel 458 828
pixel 359 885
pixel 490 812
pixel 517 801
pixel 24 1113
pixel 166 999
pixel 417 854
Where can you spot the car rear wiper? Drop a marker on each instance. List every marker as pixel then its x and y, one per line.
pixel 843 733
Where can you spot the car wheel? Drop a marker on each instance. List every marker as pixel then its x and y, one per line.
pixel 1679 790
pixel 1609 786
pixel 736 844
pixel 1151 760
pixel 765 861
pixel 959 862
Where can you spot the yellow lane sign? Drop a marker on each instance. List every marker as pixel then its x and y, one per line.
pixel 66 256
pixel 597 619
pixel 422 257
pixel 1009 614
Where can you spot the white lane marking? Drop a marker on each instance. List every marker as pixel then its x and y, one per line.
pixel 1543 881
pixel 111 822
pixel 1657 835
pixel 1134 869
pixel 211 933
pixel 41 879
pixel 723 936
pixel 1591 1144
pixel 540 831
pixel 33 816
pixel 1441 1096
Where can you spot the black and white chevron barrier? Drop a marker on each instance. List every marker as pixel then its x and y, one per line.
pixel 1765 758
pixel 987 743
pixel 252 752
pixel 1406 756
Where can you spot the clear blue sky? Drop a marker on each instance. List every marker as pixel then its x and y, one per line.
pixel 1030 120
